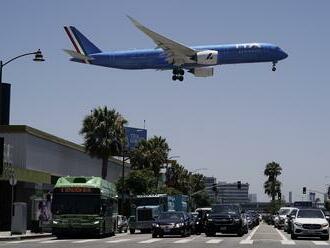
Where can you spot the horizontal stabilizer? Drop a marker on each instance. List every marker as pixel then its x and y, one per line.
pixel 77 55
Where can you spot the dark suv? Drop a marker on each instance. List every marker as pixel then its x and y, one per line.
pixel 225 218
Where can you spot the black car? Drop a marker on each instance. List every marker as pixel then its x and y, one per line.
pixel 225 218
pixel 171 223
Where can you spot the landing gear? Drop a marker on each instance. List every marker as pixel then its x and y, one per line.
pixel 274 66
pixel 178 74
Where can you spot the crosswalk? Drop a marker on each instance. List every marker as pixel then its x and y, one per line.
pixel 177 241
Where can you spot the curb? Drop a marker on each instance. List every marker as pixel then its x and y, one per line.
pixel 8 238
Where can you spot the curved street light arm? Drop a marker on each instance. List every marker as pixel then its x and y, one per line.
pixel 22 55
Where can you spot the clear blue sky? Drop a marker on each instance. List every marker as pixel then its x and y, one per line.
pixel 233 123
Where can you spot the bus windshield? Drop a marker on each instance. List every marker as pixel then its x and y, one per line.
pixel 76 204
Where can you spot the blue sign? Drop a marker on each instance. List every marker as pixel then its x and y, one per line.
pixel 134 136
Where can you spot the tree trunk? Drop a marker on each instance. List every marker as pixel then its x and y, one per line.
pixel 104 167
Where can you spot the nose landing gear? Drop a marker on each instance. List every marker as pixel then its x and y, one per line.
pixel 178 74
pixel 274 66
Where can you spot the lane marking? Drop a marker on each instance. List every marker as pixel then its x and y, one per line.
pixel 84 241
pixel 248 239
pixel 25 241
pixel 320 243
pixel 214 241
pixel 183 241
pixel 284 240
pixel 53 241
pixel 148 241
pixel 117 241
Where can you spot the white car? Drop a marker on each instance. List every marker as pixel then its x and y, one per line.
pixel 281 216
pixel 309 223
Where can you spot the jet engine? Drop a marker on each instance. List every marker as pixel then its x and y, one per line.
pixel 207 57
pixel 202 72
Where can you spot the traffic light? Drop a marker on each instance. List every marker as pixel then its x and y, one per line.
pixel 239 184
pixel 304 190
pixel 279 195
pixel 2 144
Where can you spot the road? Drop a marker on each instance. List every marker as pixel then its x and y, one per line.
pixel 263 236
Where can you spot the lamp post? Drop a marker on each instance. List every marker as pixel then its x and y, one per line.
pixel 5 96
pixel 38 57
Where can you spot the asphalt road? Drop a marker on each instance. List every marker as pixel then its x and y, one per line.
pixel 263 236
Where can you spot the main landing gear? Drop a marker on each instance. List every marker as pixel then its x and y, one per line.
pixel 178 74
pixel 274 66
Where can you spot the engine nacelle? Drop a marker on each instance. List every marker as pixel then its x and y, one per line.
pixel 207 57
pixel 202 72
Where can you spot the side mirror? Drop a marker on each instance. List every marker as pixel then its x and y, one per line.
pixel 327 217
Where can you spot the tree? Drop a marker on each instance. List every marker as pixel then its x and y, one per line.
pixel 104 135
pixel 138 182
pixel 150 154
pixel 272 186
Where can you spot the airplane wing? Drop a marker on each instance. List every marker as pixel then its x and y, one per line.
pixel 177 53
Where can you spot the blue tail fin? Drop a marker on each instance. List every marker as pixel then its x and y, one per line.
pixel 80 42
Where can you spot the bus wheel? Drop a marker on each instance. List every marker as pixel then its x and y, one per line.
pixel 132 231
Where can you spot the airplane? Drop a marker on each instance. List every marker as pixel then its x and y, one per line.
pixel 172 55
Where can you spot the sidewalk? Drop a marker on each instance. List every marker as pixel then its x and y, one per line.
pixel 6 235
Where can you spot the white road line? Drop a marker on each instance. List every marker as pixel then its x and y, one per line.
pixel 214 241
pixel 320 243
pixel 284 240
pixel 117 240
pixel 183 241
pixel 53 241
pixel 248 239
pixel 24 241
pixel 148 241
pixel 84 241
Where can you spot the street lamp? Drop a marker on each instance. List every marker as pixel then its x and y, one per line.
pixel 5 88
pixel 38 57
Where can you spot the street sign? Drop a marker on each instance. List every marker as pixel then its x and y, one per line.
pixel 134 136
pixel 12 181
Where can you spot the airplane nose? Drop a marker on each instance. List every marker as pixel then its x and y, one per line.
pixel 284 55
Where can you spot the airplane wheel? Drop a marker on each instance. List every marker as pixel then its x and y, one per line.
pixel 181 72
pixel 174 77
pixel 175 71
pixel 274 69
pixel 180 78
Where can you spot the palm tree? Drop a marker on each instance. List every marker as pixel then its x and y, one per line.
pixel 104 135
pixel 272 186
pixel 150 154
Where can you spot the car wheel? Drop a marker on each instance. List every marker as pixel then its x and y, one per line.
pixel 154 235
pixel 210 234
pixel 132 231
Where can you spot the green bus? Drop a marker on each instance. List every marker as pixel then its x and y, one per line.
pixel 84 205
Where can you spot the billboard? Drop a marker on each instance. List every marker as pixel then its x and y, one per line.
pixel 134 136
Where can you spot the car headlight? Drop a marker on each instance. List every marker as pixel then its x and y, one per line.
pixel 96 222
pixel 325 225
pixel 197 223
pixel 155 225
pixel 55 222
pixel 209 220
pixel 236 220
pixel 179 224
pixel 298 224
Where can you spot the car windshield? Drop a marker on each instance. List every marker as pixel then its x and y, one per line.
pixel 284 211
pixel 310 214
pixel 228 209
pixel 170 216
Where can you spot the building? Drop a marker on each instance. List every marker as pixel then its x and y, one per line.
pixel 290 197
pixel 209 182
pixel 38 159
pixel 252 197
pixel 231 193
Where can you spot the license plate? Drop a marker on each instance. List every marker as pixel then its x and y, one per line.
pixel 223 228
